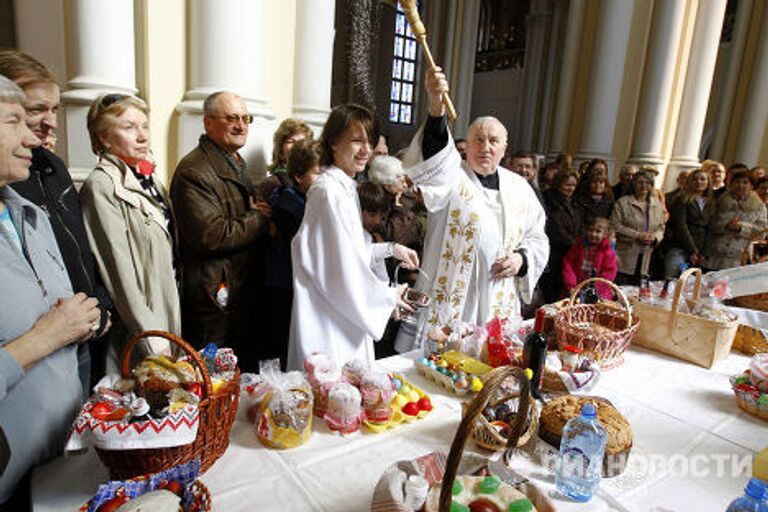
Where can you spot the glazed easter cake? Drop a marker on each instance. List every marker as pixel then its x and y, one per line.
pixel 481 494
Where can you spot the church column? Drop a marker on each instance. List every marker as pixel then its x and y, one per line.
pixel 658 79
pixel 698 84
pixel 226 52
pixel 606 77
pixel 313 61
pixel 732 77
pixel 568 76
pixel 753 124
pixel 534 70
pixel 554 62
pixel 100 41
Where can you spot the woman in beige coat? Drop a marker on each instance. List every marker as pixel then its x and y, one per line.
pixel 638 221
pixel 129 223
pixel 740 215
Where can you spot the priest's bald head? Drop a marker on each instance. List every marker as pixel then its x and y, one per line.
pixel 486 145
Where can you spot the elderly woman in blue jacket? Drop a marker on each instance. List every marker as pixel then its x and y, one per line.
pixel 41 321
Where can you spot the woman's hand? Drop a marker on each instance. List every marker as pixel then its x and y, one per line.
pixel 734 225
pixel 436 85
pixel 75 319
pixel 407 256
pixel 696 259
pixel 70 320
pixel 646 238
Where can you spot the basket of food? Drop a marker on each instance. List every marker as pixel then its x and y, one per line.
pixel 568 371
pixel 176 489
pixel 217 409
pixel 494 424
pixel 703 338
pixel 603 331
pixel 756 251
pixel 751 387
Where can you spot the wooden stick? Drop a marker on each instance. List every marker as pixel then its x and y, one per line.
pixel 417 27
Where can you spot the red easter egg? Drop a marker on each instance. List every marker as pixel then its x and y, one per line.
pixel 483 505
pixel 411 408
pixel 424 404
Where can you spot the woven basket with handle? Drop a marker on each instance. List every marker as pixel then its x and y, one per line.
pixel 469 421
pixel 689 337
pixel 217 413
pixel 603 330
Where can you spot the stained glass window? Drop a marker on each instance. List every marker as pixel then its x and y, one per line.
pixel 405 54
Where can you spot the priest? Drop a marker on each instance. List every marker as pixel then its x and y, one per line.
pixel 485 246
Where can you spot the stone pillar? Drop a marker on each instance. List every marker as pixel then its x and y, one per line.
pixel 554 62
pixel 732 76
pixel 753 123
pixel 698 84
pixel 226 53
pixel 100 41
pixel 606 77
pixel 658 79
pixel 568 77
pixel 534 70
pixel 313 61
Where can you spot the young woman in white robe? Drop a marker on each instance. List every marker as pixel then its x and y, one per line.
pixel 339 307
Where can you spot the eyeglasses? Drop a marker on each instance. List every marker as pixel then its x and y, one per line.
pixel 233 118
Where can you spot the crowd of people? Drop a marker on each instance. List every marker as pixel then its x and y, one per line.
pixel 311 257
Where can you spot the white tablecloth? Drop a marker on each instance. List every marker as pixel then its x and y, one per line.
pixel 692 450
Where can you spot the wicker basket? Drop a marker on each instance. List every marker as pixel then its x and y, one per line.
pixel 750 341
pixel 201 499
pixel 488 437
pixel 469 420
pixel 758 301
pixel 688 337
pixel 217 413
pixel 603 330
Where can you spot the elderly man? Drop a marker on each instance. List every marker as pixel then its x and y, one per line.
pixel 524 164
pixel 218 224
pixel 485 246
pixel 50 187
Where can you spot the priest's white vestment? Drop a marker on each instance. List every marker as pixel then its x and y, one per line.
pixel 468 228
pixel 339 305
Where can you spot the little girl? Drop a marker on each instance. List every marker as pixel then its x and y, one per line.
pixel 591 253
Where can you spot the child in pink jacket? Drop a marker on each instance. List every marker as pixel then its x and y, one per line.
pixel 592 252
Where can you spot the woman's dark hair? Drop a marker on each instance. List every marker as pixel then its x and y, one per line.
pixel 563 176
pixel 591 173
pixel 738 174
pixel 303 156
pixel 373 197
pixel 339 120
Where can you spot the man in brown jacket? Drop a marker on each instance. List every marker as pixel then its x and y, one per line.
pixel 218 224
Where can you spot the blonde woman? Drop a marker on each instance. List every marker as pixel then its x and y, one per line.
pixel 129 223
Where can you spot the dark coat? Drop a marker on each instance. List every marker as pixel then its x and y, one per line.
pixel 564 223
pixel 217 235
pixel 689 225
pixel 400 224
pixel 590 208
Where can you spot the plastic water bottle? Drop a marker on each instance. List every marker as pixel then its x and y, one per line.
pixel 580 466
pixel 755 498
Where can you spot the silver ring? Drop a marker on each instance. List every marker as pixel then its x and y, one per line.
pixel 95 327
